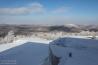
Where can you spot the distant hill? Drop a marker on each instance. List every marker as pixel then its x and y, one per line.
pixel 28 29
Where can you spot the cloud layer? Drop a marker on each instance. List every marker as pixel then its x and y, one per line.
pixel 33 8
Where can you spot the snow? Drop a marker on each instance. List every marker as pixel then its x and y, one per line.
pixel 27 51
pixel 84 51
pixel 34 51
pixel 76 42
pixel 78 36
pixel 71 25
pixel 6 46
pixel 30 53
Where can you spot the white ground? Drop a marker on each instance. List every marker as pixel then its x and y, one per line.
pixel 84 51
pixel 7 46
pixel 24 52
pixel 33 51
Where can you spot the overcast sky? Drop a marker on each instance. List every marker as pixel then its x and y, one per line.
pixel 56 12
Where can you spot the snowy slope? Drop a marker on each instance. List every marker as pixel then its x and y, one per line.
pixel 83 51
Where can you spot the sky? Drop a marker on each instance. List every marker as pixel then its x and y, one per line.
pixel 49 12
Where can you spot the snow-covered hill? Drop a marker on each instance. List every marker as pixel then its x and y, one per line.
pixel 71 25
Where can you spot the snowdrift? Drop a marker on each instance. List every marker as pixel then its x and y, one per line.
pixel 73 51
